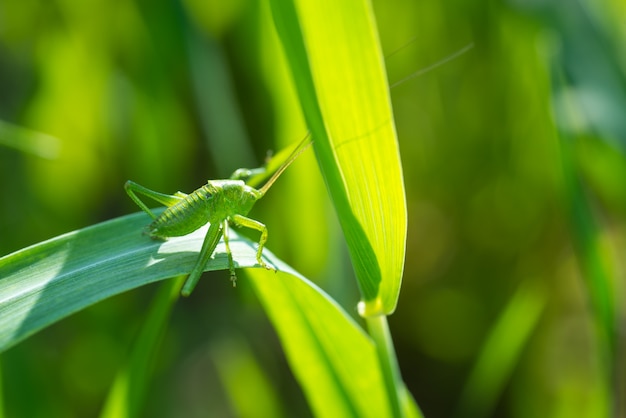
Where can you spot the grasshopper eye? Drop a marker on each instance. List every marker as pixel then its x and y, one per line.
pixel 241 174
pixel 245 173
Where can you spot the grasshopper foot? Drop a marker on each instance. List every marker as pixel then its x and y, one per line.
pixel 266 266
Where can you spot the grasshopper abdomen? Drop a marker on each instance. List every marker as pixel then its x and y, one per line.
pixel 192 212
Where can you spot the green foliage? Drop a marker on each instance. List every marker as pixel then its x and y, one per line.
pixel 513 165
pixel 341 370
pixel 336 61
pixel 51 280
pixel 333 359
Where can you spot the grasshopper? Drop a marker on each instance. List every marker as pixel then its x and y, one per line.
pixel 220 203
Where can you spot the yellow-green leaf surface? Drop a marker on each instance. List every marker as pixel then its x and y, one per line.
pixel 332 357
pixel 336 62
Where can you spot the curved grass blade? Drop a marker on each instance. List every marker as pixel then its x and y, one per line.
pixel 333 359
pixel 502 350
pixel 29 141
pixel 46 282
pixel 337 66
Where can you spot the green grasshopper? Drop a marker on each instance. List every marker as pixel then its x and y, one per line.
pixel 220 203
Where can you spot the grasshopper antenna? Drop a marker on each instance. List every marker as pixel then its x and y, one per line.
pixel 394 52
pixel 302 146
pixel 432 66
pixel 307 141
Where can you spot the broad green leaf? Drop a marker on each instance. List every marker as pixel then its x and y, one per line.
pixel 336 62
pixel 334 360
pixel 46 282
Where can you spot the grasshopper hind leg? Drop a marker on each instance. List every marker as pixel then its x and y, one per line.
pixel 133 189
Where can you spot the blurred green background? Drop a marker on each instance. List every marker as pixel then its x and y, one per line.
pixel 515 173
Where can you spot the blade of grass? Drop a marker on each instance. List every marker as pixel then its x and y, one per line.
pixel 502 350
pixel 586 231
pixel 28 141
pixel 214 93
pixel 334 360
pixel 330 355
pixel 337 66
pixel 46 282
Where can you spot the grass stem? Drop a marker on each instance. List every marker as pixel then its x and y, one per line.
pixel 379 331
